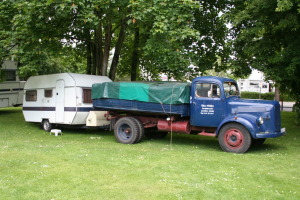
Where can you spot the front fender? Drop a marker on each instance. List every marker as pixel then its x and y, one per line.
pixel 248 121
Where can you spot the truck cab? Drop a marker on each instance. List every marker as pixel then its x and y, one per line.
pixel 216 103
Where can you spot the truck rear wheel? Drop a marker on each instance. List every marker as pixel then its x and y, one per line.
pixel 46 125
pixel 127 130
pixel 141 129
pixel 234 138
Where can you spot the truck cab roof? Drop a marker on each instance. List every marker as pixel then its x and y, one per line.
pixel 212 79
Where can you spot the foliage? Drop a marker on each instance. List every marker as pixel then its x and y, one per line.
pixel 266 36
pixel 257 95
pixel 174 35
pixel 90 164
pixel 2 76
pixel 147 37
pixel 31 37
pixel 266 96
pixel 296 109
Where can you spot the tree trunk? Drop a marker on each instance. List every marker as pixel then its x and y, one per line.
pixel 88 59
pixel 118 47
pixel 93 62
pixel 108 36
pixel 277 94
pixel 135 55
pixel 98 53
pixel 88 52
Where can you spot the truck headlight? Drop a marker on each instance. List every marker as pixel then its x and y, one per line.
pixel 260 120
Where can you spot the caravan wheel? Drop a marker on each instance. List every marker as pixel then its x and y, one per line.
pixel 46 125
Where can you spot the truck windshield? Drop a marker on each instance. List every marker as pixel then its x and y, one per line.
pixel 231 89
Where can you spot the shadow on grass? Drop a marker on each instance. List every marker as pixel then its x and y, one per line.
pixel 5 111
pixel 188 140
pixel 266 148
pixel 79 130
pixel 211 143
pixel 208 143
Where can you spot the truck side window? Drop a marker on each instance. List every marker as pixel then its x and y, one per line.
pixel 31 95
pixel 48 93
pixel 208 90
pixel 230 89
pixel 87 95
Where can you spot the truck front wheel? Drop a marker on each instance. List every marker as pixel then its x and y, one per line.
pixel 234 138
pixel 127 130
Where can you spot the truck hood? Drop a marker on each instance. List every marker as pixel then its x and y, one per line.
pixel 239 105
pixel 268 110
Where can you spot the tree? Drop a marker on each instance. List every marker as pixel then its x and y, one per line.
pixel 169 36
pixel 143 37
pixel 48 26
pixel 266 36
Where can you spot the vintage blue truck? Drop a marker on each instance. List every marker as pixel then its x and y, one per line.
pixel 209 106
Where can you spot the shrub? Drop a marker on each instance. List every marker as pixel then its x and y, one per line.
pixel 296 109
pixel 265 96
pixel 256 95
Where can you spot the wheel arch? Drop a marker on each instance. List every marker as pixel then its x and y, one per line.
pixel 248 122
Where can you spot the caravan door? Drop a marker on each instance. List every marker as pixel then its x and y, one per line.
pixel 59 101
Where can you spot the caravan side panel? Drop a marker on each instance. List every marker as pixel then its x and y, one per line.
pixel 84 105
pixel 37 107
pixel 70 105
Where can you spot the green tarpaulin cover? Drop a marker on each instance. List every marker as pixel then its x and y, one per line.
pixel 155 92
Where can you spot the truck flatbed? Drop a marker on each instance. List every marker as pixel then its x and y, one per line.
pixel 138 106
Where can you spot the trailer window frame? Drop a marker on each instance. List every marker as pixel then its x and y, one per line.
pixel 87 95
pixel 31 95
pixel 48 93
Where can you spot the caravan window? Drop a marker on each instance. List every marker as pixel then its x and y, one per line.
pixel 87 95
pixel 48 93
pixel 31 95
pixel 10 75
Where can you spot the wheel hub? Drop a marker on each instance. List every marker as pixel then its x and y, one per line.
pixel 234 138
pixel 127 131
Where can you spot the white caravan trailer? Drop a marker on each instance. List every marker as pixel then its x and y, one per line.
pixel 59 98
pixel 11 91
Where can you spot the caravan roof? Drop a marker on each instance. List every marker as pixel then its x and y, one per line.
pixel 71 79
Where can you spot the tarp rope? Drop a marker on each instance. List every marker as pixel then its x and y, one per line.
pixel 170 116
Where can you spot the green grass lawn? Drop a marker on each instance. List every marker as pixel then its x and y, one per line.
pixel 90 164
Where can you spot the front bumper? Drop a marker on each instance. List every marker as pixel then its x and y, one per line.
pixel 271 135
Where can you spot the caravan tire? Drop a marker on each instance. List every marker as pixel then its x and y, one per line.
pixel 46 125
pixel 127 130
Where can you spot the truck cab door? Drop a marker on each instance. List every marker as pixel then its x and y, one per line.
pixel 207 106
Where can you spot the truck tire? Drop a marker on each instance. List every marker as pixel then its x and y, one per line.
pixel 127 130
pixel 141 129
pixel 234 138
pixel 46 125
